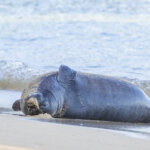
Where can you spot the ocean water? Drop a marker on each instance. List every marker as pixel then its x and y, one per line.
pixel 97 36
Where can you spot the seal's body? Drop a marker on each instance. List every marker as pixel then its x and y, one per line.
pixel 71 94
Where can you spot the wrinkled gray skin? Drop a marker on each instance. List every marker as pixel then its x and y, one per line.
pixel 71 94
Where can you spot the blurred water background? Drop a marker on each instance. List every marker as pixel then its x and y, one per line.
pixel 105 37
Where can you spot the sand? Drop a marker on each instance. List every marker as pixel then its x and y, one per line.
pixel 44 133
pixel 22 133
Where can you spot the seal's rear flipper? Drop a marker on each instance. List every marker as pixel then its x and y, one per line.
pixel 16 105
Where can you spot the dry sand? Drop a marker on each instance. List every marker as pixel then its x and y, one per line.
pixel 18 133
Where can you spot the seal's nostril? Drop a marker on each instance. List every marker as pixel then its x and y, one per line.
pixel 31 106
pixel 33 111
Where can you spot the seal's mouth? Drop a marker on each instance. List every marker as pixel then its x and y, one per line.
pixel 32 106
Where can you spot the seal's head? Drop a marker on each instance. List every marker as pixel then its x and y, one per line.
pixel 32 104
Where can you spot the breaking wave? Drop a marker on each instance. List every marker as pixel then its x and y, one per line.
pixel 143 84
pixel 15 75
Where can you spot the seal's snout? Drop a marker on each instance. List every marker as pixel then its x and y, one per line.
pixel 32 106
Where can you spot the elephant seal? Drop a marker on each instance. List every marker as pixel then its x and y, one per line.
pixel 71 94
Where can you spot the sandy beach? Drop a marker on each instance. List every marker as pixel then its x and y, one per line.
pixel 19 132
pixel 22 133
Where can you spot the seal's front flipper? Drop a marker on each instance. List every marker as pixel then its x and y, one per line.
pixel 16 105
pixel 66 74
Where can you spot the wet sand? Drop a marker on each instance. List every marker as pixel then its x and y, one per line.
pixel 24 133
